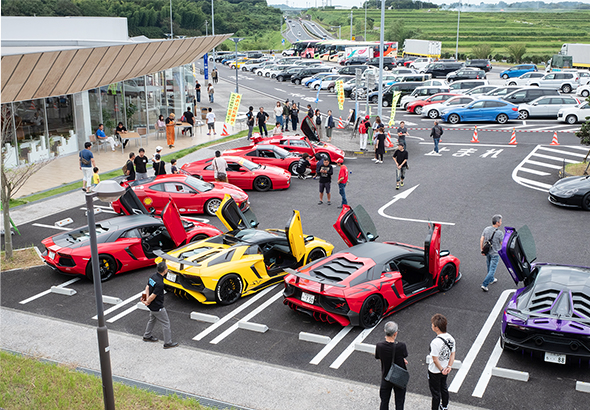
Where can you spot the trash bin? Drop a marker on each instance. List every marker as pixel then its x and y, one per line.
pixel 204 113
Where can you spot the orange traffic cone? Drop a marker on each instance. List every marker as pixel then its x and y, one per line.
pixel 513 138
pixel 474 139
pixel 225 133
pixel 388 140
pixel 340 124
pixel 554 141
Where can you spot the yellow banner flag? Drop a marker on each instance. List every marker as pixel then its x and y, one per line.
pixel 340 88
pixel 194 71
pixel 396 96
pixel 232 108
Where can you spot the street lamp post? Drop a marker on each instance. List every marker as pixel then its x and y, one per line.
pixel 206 28
pixel 350 24
pixel 457 43
pixel 236 40
pixel 381 49
pixel 213 32
pixel 107 191
pixel 171 29
pixel 365 21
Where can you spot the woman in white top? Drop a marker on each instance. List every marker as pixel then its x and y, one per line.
pixel 278 110
pixel 278 130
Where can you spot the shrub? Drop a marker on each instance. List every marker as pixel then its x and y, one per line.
pixel 516 51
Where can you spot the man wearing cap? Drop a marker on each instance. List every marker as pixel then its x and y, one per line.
pixel 363 130
pixel 170 123
pixel 158 152
pixel 342 180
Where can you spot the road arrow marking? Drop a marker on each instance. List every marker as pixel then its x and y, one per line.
pixel 404 195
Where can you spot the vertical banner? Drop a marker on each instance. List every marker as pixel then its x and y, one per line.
pixel 194 71
pixel 340 88
pixel 206 65
pixel 232 108
pixel 396 96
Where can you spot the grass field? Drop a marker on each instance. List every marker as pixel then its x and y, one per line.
pixel 543 32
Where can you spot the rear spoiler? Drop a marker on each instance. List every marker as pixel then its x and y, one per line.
pixel 322 282
pixel 181 262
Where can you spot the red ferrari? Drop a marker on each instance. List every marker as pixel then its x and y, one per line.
pixel 191 195
pixel 301 144
pixel 126 242
pixel 371 280
pixel 265 154
pixel 417 106
pixel 242 173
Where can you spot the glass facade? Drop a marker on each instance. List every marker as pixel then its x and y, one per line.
pixel 60 125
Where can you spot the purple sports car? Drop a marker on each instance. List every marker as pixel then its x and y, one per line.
pixel 551 313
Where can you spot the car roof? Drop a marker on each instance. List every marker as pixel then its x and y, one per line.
pixel 379 252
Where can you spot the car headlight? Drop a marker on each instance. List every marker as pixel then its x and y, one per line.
pixel 565 193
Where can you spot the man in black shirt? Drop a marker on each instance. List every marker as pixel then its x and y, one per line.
pixel 190 118
pixel 400 156
pixel 120 131
pixel 141 165
pixel 325 172
pixel 198 91
pixel 130 172
pixel 250 121
pixel 153 298
pixel 261 121
pixel 384 351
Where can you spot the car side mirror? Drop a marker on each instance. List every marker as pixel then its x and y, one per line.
pixel 444 253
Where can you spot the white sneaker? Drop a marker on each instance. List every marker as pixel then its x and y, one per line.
pixel 484 288
pixel 494 281
pixel 373 159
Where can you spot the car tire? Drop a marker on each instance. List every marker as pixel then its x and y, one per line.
pixel 228 289
pixel 386 68
pixel 259 73
pixel 571 119
pixel 505 76
pixel 454 118
pixel 106 265
pixel 385 103
pixel 566 88
pixel 325 155
pixel 297 82
pixel 280 79
pixel 267 74
pixel 418 110
pixel 586 202
pixel 262 183
pixel 331 89
pixel 502 118
pixel 199 237
pixel 511 83
pixel 523 114
pixel 211 206
pixel 448 275
pixel 433 114
pixel 371 311
pixel 585 93
pixel 316 87
pixel 374 99
pixel 315 254
pixel 293 168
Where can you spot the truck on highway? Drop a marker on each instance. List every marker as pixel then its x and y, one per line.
pixel 422 48
pixel 580 54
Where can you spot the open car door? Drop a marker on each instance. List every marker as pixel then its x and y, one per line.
pixel 518 252
pixel 294 232
pixel 229 213
pixel 355 226
pixel 130 203
pixel 309 129
pixel 432 250
pixel 173 223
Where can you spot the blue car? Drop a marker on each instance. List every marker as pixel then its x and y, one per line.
pixel 518 70
pixel 481 110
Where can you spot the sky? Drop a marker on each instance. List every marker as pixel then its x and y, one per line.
pixel 358 3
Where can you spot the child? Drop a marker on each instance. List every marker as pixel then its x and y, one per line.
pixel 95 177
pixel 173 169
pixel 302 166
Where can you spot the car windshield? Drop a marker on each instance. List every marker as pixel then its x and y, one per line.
pixel 282 152
pixel 84 234
pixel 249 165
pixel 252 236
pixel 199 184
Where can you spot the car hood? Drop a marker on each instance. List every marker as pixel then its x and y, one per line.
pixel 570 184
pixel 226 188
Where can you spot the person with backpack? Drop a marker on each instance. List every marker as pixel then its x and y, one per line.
pixel 363 130
pixel 490 243
pixel 159 166
pixel 436 134
pixel 442 353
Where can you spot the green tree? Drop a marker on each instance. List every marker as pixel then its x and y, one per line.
pixel 399 32
pixel 516 51
pixel 481 51
pixel 584 136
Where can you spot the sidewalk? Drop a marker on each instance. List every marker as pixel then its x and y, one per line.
pixel 229 379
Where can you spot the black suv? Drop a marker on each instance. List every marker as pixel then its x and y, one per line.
pixel 442 68
pixel 308 72
pixel 351 70
pixel 466 74
pixel 356 61
pixel 389 63
pixel 484 64
pixel 254 54
pixel 528 94
pixel 288 73
pixel 405 88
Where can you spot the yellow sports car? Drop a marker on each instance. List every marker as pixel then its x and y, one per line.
pixel 245 260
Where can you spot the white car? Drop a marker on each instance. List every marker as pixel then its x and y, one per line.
pixel 522 80
pixel 272 72
pixel 421 93
pixel 433 110
pixel 564 81
pixel 420 64
pixel 288 52
pixel 584 90
pixel 481 91
pixel 323 82
pixel 546 106
pixel 262 66
pixel 574 114
pixel 500 92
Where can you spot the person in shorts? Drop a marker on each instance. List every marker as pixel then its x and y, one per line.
pixel 325 173
pixel 211 121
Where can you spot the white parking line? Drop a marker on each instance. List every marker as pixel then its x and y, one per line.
pixel 120 305
pixel 534 171
pixel 104 209
pixel 553 158
pixel 249 316
pixel 486 375
pixel 52 227
pixel 46 292
pixel 479 341
pixel 232 314
pixel 470 145
pixel 542 164
pixel 560 151
pixel 331 345
pixel 122 314
pixel 351 347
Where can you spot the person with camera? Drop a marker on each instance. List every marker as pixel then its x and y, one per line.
pixel 490 243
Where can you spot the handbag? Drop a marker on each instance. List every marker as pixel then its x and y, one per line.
pixel 397 375
pixel 487 245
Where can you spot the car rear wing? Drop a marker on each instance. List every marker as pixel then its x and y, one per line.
pixel 181 262
pixel 322 282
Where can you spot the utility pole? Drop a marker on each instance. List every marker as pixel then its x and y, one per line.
pixel 206 28
pixel 213 31
pixel 171 29
pixel 350 24
pixel 365 21
pixel 381 50
pixel 457 43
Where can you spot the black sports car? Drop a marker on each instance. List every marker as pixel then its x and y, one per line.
pixel 571 192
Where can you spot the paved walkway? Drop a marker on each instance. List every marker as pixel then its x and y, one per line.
pixel 229 379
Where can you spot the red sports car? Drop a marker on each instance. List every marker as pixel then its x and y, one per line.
pixel 126 242
pixel 266 154
pixel 416 106
pixel 191 195
pixel 242 173
pixel 371 280
pixel 301 144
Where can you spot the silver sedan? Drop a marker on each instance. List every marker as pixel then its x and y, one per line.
pixel 547 106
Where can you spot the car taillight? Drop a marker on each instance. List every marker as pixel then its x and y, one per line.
pixel 515 109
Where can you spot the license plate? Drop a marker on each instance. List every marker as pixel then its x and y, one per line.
pixel 51 255
pixel 171 277
pixel 307 298
pixel 555 358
